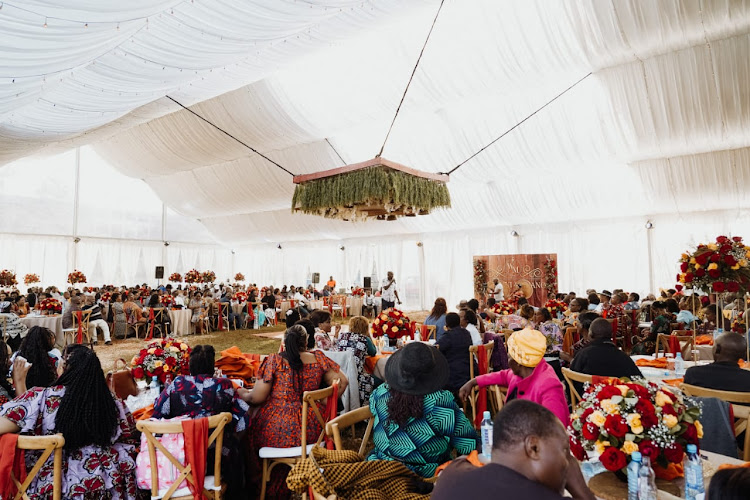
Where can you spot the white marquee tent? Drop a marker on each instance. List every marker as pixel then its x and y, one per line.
pixel 657 131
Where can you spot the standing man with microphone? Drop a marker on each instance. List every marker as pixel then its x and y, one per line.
pixel 388 292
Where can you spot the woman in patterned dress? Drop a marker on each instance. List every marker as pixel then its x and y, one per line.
pixel 282 379
pixel 544 323
pixel 322 321
pixel 358 340
pixel 98 459
pixel 416 422
pixel 118 316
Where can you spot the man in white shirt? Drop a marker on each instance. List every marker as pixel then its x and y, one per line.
pixel 469 321
pixel 388 292
pixel 179 300
pixel 300 302
pixel 498 292
pixel 368 304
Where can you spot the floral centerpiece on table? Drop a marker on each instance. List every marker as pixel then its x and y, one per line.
pixel 208 277
pixel 30 278
pixel 175 277
pixel 718 267
pixel 240 297
pixel 76 277
pixel 392 323
pixel 504 308
pixel 556 307
pixel 239 277
pixel 619 417
pixel 50 305
pixel 193 276
pixel 162 357
pixel 106 297
pixel 166 300
pixel 7 278
pixel 358 292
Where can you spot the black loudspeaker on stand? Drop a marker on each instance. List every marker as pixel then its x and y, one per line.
pixel 159 272
pixel 368 282
pixel 315 278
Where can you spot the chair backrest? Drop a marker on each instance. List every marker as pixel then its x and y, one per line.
pixel 474 349
pixel 48 445
pixel 570 377
pixel 728 396
pixel 507 333
pixel 662 340
pixel 741 420
pixel 151 427
pixel 85 317
pixel 349 419
pixel 310 400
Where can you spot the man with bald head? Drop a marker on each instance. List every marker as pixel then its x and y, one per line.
pixel 724 373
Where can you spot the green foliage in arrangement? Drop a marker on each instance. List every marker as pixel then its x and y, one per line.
pixel 370 186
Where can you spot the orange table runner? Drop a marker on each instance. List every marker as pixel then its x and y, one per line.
pixel 704 340
pixel 371 361
pixel 654 363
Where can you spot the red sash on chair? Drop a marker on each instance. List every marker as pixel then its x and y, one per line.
pixel 614 331
pixel 483 365
pixel 195 433
pixel 250 312
pixel 424 332
pixel 221 318
pixel 343 307
pixel 291 304
pixel 674 345
pixel 79 334
pixel 11 459
pixel 330 413
pixel 412 329
pixel 151 322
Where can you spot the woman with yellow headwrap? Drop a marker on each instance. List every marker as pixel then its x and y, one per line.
pixel 529 376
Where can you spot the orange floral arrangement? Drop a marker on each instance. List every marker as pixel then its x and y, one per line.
pixel 166 300
pixel 718 267
pixel 358 292
pixel 160 358
pixel 7 278
pixel 208 277
pixel 193 276
pixel 51 305
pixel 175 277
pixel 76 277
pixel 392 323
pixel 239 277
pixel 504 308
pixel 556 306
pixel 240 297
pixel 30 278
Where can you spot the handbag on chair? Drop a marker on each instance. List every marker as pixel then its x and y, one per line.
pixel 121 381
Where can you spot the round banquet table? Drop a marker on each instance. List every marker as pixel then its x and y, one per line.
pixel 53 323
pixel 180 321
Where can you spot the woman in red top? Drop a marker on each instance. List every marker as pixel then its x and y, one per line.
pixel 282 379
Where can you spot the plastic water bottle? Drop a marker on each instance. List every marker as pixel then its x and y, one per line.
pixel 693 467
pixel 718 333
pixel 633 468
pixel 486 431
pixel 679 364
pixel 154 387
pixel 646 480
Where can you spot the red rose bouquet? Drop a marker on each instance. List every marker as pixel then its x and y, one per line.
pixel 193 276
pixel 619 417
pixel 504 308
pixel 175 277
pixel 162 357
pixel 166 300
pixel 240 297
pixel 358 292
pixel 556 306
pixel 76 277
pixel 392 323
pixel 30 278
pixel 208 277
pixel 239 277
pixel 51 305
pixel 718 267
pixel 106 297
pixel 7 278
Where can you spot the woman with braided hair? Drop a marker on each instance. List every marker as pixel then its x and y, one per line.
pixel 38 348
pixel 99 431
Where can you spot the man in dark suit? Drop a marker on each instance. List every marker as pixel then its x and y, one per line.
pixel 724 374
pixel 454 344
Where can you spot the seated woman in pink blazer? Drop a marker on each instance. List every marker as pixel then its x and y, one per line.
pixel 529 376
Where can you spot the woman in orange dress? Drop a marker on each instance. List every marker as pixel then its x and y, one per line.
pixel 282 379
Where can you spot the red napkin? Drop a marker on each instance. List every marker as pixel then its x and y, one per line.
pixel 483 366
pixel 196 447
pixel 11 459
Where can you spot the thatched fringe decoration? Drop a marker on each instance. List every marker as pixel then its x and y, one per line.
pixel 357 194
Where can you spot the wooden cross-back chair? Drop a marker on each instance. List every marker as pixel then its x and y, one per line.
pixel 338 306
pixel 70 334
pixel 350 419
pixel 662 342
pixel 471 408
pixel 570 377
pixel 431 331
pixel 48 445
pixel 272 457
pixel 212 486
pixel 740 402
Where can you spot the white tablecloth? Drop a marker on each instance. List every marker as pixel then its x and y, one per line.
pixel 54 323
pixel 180 321
pixel 345 359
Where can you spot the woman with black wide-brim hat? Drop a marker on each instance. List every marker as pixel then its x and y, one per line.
pixel 416 421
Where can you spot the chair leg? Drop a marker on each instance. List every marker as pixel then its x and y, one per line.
pixel 264 479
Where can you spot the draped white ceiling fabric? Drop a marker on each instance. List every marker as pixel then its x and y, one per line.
pixel 660 126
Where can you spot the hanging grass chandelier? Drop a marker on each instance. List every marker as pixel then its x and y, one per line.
pixel 375 189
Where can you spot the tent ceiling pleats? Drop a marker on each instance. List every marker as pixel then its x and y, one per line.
pixel 661 125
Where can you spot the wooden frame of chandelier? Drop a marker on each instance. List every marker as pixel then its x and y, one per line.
pixel 372 206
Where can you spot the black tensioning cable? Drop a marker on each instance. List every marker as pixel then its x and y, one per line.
pixel 410 78
pixel 228 134
pixel 516 125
